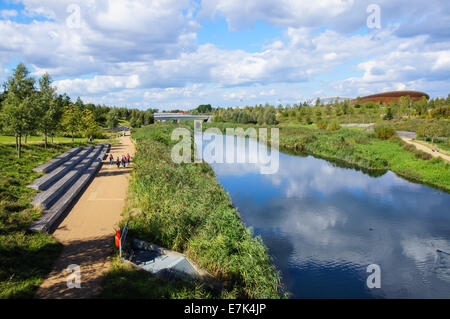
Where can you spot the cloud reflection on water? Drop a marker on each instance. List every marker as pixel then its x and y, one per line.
pixel 325 224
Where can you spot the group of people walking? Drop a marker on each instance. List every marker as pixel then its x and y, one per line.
pixel 124 161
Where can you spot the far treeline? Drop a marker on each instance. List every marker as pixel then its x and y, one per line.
pixel 422 116
pixel 27 110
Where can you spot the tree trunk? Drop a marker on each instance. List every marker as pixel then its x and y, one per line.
pixel 72 137
pixel 17 142
pixel 45 139
pixel 19 149
pixel 26 138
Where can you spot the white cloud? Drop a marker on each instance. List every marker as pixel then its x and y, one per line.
pixel 284 12
pixel 6 14
pixel 141 46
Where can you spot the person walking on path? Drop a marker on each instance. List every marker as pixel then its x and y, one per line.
pixel 111 159
pixel 118 162
pixel 128 159
pixel 124 161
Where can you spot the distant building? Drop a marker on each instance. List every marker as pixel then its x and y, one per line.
pixel 328 100
pixel 388 97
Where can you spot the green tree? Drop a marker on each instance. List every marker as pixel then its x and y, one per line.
pixel 71 120
pixel 389 115
pixel 88 126
pixel 112 119
pixel 204 108
pixel 18 112
pixel 431 129
pixel 49 109
pixel 133 122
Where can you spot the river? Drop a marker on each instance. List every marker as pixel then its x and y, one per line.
pixel 324 225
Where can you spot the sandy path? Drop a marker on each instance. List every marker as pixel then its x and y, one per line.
pixel 87 232
pixel 426 149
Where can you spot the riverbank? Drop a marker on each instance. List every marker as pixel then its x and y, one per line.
pixel 183 207
pixel 359 149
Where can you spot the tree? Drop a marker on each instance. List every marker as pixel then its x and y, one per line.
pixel 50 110
pixel 389 116
pixel 88 126
pixel 204 108
pixel 133 122
pixel 318 102
pixel 149 117
pixel 431 130
pixel 270 117
pixel 112 119
pixel 18 113
pixel 71 119
pixel 79 104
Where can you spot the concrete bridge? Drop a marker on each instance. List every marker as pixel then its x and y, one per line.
pixel 181 116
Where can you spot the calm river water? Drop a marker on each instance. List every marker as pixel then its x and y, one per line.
pixel 324 225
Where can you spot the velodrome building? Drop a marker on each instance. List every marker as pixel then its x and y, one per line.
pixel 391 96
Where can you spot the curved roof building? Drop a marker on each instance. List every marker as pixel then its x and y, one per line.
pixel 391 96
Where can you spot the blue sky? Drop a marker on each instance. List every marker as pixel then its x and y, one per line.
pixel 181 53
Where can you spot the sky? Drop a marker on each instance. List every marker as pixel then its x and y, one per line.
pixel 169 54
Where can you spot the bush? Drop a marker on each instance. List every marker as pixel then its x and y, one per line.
pixel 409 147
pixel 422 155
pixel 384 132
pixel 442 112
pixel 321 124
pixel 333 126
pixel 388 116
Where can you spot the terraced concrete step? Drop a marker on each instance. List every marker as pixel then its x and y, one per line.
pixel 50 217
pixel 104 152
pixel 47 167
pixel 44 182
pixel 45 199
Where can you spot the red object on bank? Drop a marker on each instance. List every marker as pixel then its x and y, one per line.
pixel 117 238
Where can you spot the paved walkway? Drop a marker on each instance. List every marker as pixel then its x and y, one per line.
pixel 87 232
pixel 426 149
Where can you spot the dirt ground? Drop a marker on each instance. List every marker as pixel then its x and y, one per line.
pixel 426 149
pixel 87 232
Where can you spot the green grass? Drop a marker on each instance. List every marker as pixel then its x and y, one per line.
pixel 434 172
pixel 182 207
pixel 25 257
pixel 4 139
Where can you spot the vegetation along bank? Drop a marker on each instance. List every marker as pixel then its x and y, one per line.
pixel 182 207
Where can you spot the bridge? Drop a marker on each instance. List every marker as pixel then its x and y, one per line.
pixel 181 116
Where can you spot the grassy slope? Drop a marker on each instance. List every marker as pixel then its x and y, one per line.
pixel 25 257
pixel 183 207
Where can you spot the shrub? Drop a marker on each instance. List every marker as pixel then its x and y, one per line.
pixel 321 124
pixel 308 120
pixel 333 126
pixel 384 132
pixel 409 147
pixel 442 112
pixel 389 116
pixel 422 155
